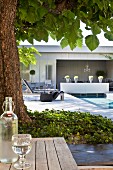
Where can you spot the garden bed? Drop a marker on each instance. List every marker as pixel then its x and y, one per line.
pixel 75 127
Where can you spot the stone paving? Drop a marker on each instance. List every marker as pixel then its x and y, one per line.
pixel 70 103
pixel 89 155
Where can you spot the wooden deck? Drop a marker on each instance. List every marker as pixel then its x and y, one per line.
pixel 48 154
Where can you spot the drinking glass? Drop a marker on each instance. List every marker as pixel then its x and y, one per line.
pixel 21 145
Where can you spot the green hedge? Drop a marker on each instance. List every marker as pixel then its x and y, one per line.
pixel 75 127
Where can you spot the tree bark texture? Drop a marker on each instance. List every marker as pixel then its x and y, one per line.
pixel 10 81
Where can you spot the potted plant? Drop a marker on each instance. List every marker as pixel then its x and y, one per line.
pixel 67 77
pixel 100 78
pixel 90 79
pixel 75 79
pixel 32 72
pixel 101 73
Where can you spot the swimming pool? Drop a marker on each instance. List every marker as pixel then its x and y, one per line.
pixel 100 101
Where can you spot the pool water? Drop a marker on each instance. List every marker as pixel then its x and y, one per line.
pixel 100 101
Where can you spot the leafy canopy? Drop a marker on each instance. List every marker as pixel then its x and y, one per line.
pixel 37 19
pixel 27 55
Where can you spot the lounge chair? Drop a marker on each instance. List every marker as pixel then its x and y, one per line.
pixel 45 95
pixel 27 85
pixel 55 94
pixel 49 97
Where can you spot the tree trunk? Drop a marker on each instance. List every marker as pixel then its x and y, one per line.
pixel 10 81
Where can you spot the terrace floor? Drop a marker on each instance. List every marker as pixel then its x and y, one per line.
pixel 70 103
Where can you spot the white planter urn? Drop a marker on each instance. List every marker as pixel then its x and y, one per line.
pixel 67 77
pixel 90 79
pixel 67 80
pixel 76 79
pixel 100 78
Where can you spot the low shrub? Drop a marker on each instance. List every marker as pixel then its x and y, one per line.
pixel 75 127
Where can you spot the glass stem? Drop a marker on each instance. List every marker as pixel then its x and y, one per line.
pixel 22 160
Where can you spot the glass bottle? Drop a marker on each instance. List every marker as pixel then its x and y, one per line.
pixel 8 127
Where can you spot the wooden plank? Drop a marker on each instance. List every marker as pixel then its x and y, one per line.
pixel 4 166
pixel 53 162
pixel 65 157
pixel 31 156
pixel 95 167
pixel 41 161
pixel 48 154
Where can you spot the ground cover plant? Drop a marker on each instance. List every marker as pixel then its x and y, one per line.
pixel 75 127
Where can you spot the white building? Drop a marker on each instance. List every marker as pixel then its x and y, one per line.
pixel 56 62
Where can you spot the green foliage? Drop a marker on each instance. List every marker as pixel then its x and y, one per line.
pixel 96 29
pixel 27 55
pixel 92 42
pixel 109 36
pixel 38 19
pixel 32 72
pixel 75 127
pixel 64 42
pixel 109 57
pixel 101 73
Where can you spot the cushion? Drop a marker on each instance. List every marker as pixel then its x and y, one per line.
pixel 46 97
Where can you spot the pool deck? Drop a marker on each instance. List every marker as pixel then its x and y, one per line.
pixel 70 103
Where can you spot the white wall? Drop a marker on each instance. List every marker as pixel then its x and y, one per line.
pixel 51 54
pixel 42 61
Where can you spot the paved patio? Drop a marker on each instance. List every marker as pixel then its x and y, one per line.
pixel 70 103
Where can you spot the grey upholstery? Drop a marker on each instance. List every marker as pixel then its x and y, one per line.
pixel 46 97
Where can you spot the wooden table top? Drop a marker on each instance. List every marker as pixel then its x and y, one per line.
pixel 48 154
